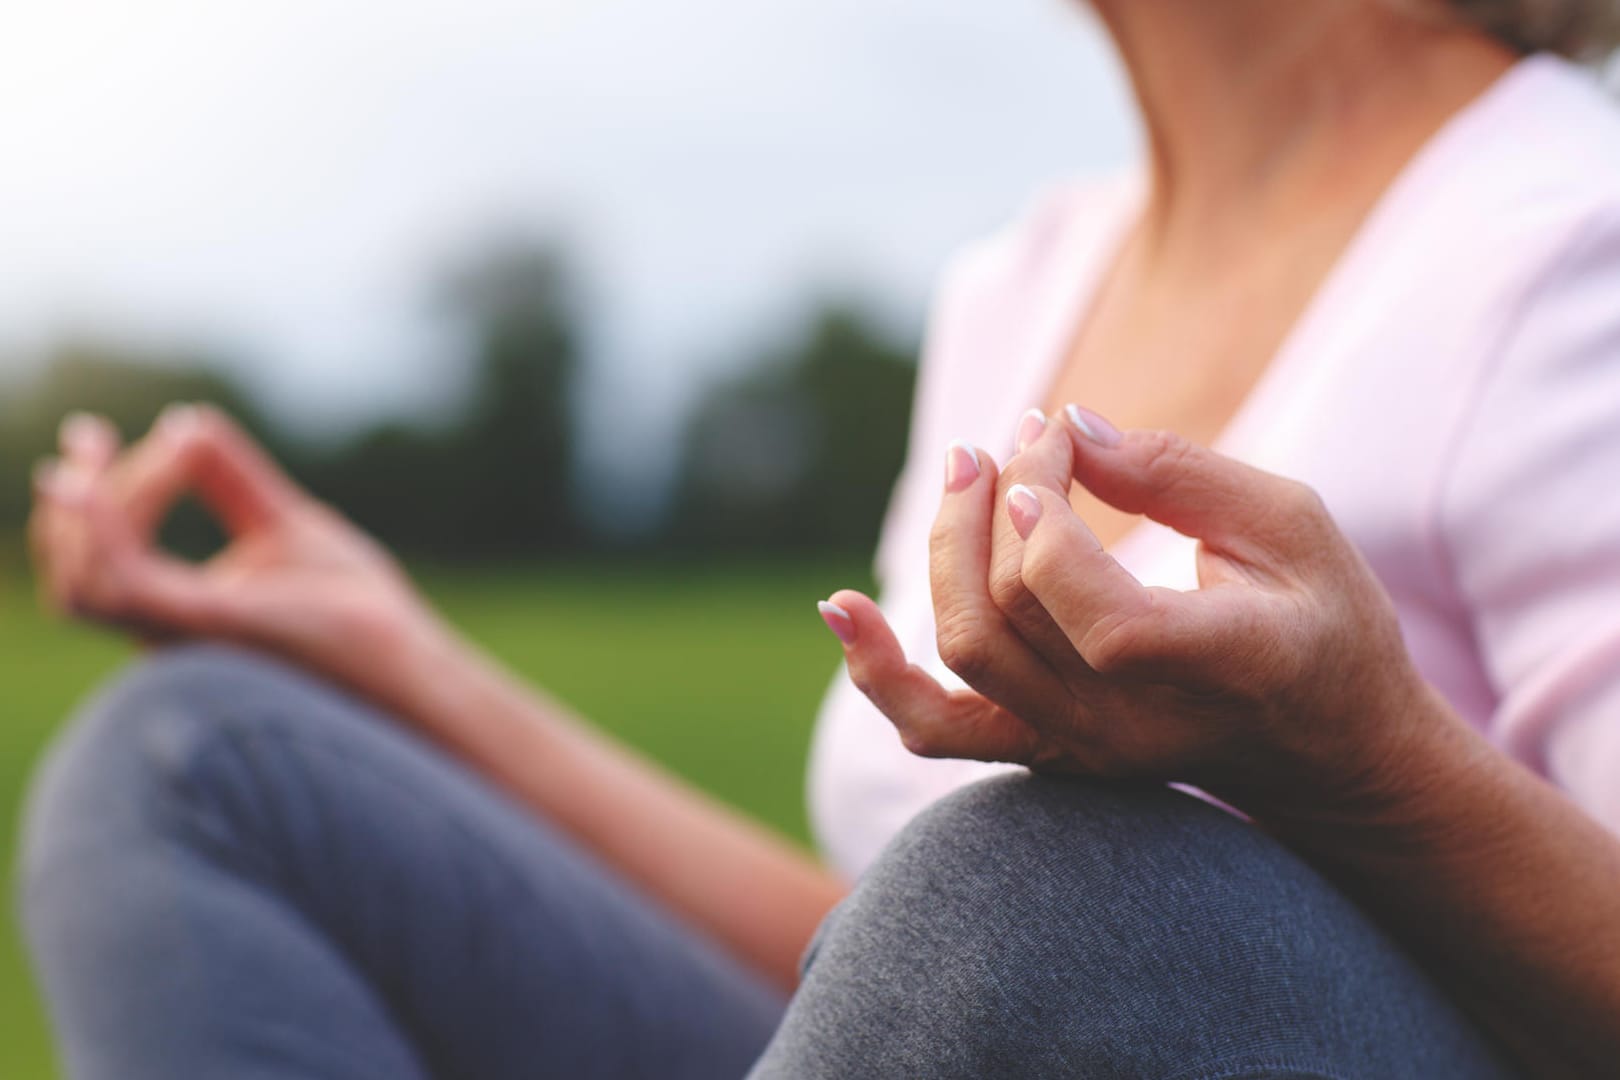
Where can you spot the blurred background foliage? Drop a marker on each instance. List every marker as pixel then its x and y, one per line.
pixel 795 451
pixel 799 452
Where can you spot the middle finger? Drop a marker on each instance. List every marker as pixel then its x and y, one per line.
pixel 975 640
pixel 1046 461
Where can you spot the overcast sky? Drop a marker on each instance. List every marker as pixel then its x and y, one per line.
pixel 282 180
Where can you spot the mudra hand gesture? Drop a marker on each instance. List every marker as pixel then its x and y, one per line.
pixel 1282 681
pixel 295 579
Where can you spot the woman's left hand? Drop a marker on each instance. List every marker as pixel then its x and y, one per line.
pixel 1281 682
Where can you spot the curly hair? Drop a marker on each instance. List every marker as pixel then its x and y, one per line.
pixel 1582 29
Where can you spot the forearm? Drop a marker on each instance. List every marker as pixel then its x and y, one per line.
pixel 750 889
pixel 1508 891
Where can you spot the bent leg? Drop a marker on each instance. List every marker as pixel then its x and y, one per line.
pixel 1033 927
pixel 231 869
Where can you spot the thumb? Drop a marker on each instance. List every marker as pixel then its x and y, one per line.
pixel 197 448
pixel 1236 509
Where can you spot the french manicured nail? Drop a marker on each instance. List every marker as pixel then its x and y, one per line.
pixel 1030 428
pixel 1092 426
pixel 1024 507
pixel 961 466
pixel 838 621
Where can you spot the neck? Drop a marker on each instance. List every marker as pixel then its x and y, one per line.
pixel 1253 107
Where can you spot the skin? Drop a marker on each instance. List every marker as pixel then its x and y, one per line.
pixel 1274 118
pixel 1262 118
pixel 1280 686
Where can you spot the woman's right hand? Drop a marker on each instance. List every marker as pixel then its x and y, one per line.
pixel 1281 685
pixel 295 579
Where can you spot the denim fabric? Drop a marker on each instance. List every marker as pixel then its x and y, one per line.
pixel 231 870
pixel 1033 927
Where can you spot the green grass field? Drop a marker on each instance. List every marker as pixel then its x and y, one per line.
pixel 716 672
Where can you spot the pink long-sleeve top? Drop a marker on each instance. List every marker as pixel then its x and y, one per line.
pixel 1452 391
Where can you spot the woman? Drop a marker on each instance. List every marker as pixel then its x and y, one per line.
pixel 1371 251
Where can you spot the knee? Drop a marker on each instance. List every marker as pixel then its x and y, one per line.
pixel 984 872
pixel 1041 840
pixel 1032 926
pixel 116 767
pixel 1032 906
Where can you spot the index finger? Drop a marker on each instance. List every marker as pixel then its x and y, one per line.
pixel 973 636
pixel 196 448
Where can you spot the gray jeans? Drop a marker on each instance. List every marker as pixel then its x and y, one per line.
pixel 232 870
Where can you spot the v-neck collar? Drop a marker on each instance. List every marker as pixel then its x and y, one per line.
pixel 1091 256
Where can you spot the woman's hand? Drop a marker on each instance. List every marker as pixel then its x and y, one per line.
pixel 295 579
pixel 1281 681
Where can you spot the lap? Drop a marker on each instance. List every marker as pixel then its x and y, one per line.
pixel 220 837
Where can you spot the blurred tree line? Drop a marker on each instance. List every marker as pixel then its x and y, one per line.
pixel 796 453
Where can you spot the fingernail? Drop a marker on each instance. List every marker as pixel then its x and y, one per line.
pixel 1092 426
pixel 1024 507
pixel 1030 428
pixel 838 621
pixel 961 466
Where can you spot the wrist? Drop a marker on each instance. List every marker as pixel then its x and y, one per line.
pixel 1403 798
pixel 427 671
pixel 453 692
pixel 1384 771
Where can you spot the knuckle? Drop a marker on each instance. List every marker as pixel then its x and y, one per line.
pixel 1300 518
pixel 1006 588
pixel 1164 455
pixel 1301 501
pixel 1112 647
pixel 1044 560
pixel 918 743
pixel 963 646
pixel 1105 655
pixel 1014 595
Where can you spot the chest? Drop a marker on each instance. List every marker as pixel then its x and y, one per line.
pixel 1180 352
